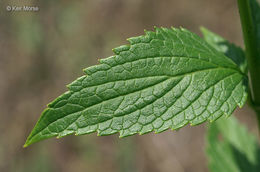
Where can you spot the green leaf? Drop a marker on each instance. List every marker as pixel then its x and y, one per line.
pixel 232 51
pixel 231 148
pixel 164 79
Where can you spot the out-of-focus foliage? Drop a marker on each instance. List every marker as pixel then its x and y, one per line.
pixel 231 147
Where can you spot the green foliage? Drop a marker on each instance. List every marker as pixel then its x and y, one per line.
pixel 230 50
pixel 231 148
pixel 164 79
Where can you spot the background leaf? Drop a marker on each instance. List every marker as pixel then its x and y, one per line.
pixel 231 147
pixel 230 50
pixel 164 79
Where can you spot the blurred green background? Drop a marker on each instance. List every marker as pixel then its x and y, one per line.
pixel 41 52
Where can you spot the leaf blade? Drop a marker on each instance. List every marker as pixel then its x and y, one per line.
pixel 161 80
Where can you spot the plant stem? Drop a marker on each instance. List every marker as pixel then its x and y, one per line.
pixel 252 53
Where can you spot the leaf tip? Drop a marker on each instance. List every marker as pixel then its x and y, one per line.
pixel 28 142
pixel 25 145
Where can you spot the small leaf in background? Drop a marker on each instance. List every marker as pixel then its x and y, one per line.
pixel 164 79
pixel 231 148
